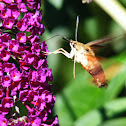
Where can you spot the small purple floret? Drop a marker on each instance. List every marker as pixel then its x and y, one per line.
pixel 24 75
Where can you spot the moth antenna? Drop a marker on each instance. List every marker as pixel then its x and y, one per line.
pixel 77 22
pixel 55 36
pixel 66 39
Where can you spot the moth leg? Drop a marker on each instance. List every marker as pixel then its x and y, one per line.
pixel 60 50
pixel 74 66
pixel 70 55
pixel 65 53
pixel 54 52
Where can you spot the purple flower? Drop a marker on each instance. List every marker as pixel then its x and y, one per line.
pixel 8 67
pixel 36 48
pixel 15 75
pixel 33 5
pixel 6 13
pixel 7 1
pixel 23 95
pixel 7 102
pixel 15 14
pixel 6 81
pixel 30 58
pixel 24 74
pixel 5 55
pixel 35 121
pixel 40 104
pixel 1 94
pixel 5 38
pixel 18 1
pixel 8 23
pixel 34 38
pixel 2 46
pixel 1 6
pixel 38 30
pixel 3 120
pixel 21 25
pixel 39 75
pixel 22 7
pixel 21 37
pixel 14 45
pixel 4 110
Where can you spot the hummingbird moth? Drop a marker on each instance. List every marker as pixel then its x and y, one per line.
pixel 84 54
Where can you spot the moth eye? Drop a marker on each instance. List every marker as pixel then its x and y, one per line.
pixel 87 50
pixel 74 45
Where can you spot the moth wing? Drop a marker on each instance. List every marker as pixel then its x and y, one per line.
pixel 105 40
pixel 96 48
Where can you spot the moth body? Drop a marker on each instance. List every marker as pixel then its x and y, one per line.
pixel 84 55
pixel 80 52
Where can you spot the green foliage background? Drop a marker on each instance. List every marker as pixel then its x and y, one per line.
pixel 79 102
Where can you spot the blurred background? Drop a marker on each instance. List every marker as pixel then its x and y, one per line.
pixel 79 101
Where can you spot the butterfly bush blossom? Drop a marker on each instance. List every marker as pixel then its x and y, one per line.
pixel 25 95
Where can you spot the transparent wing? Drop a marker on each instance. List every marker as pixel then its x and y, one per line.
pixel 106 39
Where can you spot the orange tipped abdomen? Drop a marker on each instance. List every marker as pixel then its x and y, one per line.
pixel 94 68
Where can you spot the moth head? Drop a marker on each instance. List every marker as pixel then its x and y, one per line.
pixel 74 45
pixel 81 48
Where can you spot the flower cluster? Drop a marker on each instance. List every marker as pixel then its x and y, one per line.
pixel 25 95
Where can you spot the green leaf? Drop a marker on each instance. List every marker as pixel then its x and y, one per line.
pixel 115 107
pixel 116 85
pixel 115 122
pixel 82 96
pixel 56 3
pixel 92 118
pixel 64 115
pixel 121 58
pixel 90 27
